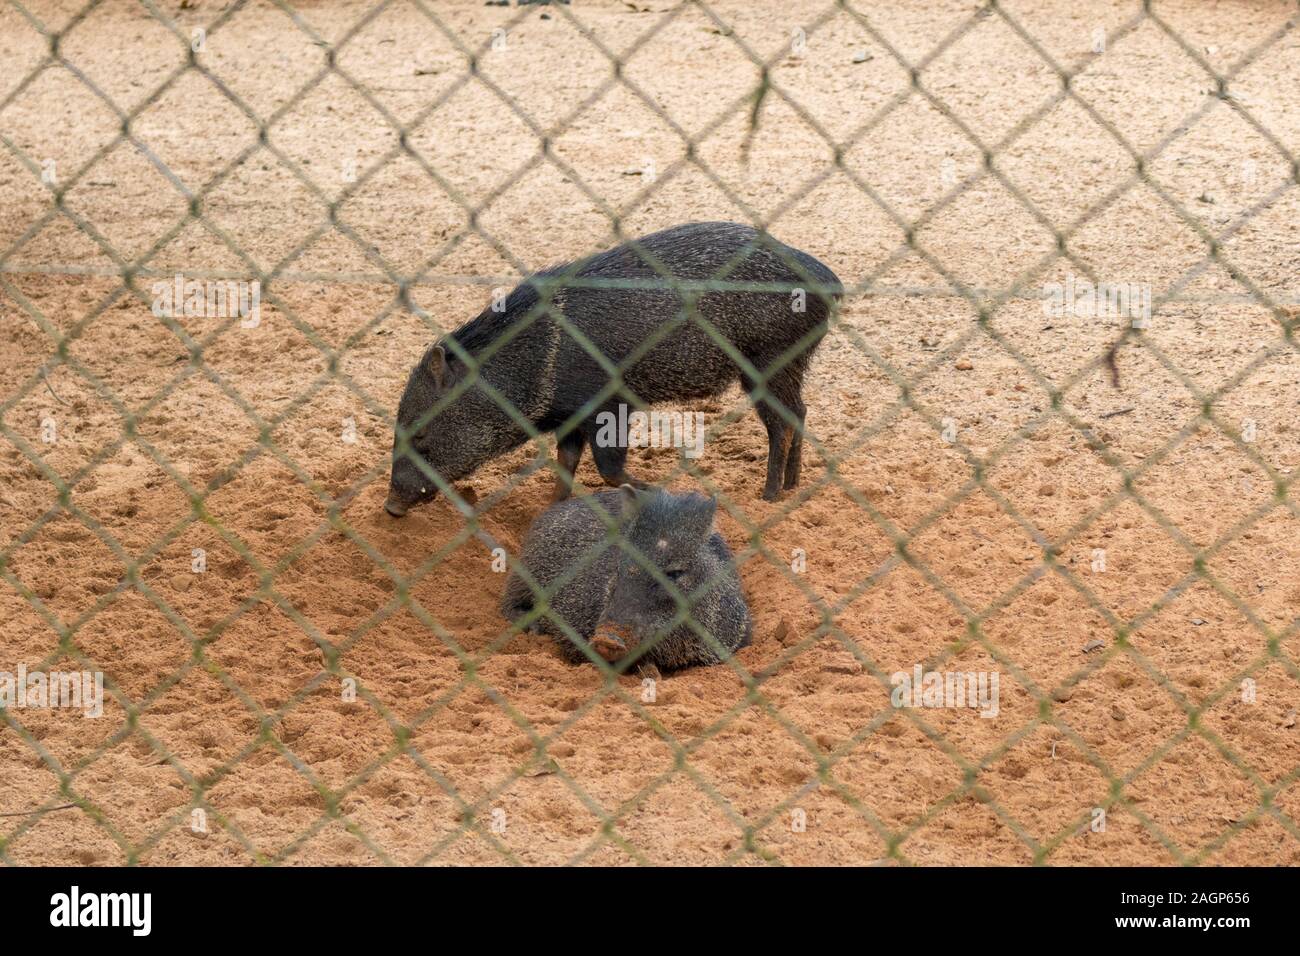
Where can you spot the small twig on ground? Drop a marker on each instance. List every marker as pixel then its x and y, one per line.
pixel 27 813
pixel 46 379
pixel 759 95
pixel 1119 411
pixel 1112 362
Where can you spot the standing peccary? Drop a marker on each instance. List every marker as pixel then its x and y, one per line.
pixel 548 376
pixel 610 599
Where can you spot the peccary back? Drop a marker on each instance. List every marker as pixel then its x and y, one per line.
pixel 603 601
pixel 617 301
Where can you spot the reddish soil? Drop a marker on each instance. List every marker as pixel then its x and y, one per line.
pixel 458 727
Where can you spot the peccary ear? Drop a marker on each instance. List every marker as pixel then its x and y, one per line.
pixel 629 495
pixel 708 508
pixel 436 364
pixel 693 515
pixel 634 502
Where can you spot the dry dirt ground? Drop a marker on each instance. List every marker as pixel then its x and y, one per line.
pixel 438 756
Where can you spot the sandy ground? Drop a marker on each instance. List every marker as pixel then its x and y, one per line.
pixel 467 745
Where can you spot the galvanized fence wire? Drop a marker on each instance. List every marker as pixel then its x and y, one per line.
pixel 983 303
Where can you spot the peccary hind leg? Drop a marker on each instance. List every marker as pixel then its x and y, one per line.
pixel 778 448
pixel 517 601
pixel 784 443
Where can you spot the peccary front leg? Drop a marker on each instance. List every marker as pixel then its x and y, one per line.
pixel 794 458
pixel 611 459
pixel 612 465
pixel 568 453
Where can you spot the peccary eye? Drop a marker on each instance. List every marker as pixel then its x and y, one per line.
pixel 675 575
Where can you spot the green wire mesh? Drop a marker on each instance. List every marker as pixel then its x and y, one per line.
pixel 135 274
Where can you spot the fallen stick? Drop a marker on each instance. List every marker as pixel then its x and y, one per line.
pixel 26 813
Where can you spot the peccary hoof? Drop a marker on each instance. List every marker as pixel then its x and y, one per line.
pixel 394 506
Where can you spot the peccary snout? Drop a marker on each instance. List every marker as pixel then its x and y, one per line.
pixel 395 506
pixel 408 485
pixel 407 488
pixel 438 434
pixel 672 598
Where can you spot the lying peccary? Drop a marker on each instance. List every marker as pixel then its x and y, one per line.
pixel 548 376
pixel 611 600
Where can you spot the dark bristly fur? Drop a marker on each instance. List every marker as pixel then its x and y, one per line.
pixel 612 602
pixel 548 376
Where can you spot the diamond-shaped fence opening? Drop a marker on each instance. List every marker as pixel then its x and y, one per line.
pixel 979 556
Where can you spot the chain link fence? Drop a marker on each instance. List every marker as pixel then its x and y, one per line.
pixel 136 274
